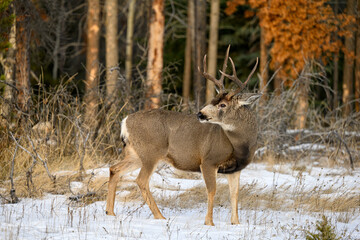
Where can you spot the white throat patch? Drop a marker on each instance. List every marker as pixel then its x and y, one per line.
pixel 225 127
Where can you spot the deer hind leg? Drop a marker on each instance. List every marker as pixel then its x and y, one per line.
pixel 233 180
pixel 130 163
pixel 143 183
pixel 209 174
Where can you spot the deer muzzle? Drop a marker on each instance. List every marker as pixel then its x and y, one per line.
pixel 201 116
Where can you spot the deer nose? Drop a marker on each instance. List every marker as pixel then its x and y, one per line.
pixel 201 116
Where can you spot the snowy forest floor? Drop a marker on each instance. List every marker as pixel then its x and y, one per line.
pixel 277 201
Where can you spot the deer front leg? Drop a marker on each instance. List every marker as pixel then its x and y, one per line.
pixel 143 183
pixel 209 174
pixel 233 180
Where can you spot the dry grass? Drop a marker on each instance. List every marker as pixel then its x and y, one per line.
pixel 75 147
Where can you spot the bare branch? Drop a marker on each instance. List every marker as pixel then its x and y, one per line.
pixel 14 198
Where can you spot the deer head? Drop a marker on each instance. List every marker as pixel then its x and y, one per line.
pixel 225 107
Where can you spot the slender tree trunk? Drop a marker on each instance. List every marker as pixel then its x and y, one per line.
pixel 59 27
pixel 357 66
pixel 187 57
pixel 9 68
pixel 336 81
pixel 263 68
pixel 213 47
pixel 199 49
pixel 129 41
pixel 278 81
pixel 111 11
pixel 336 68
pixel 22 73
pixel 302 97
pixel 155 56
pixel 302 104
pixel 92 61
pixel 348 76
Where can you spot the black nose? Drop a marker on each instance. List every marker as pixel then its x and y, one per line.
pixel 201 116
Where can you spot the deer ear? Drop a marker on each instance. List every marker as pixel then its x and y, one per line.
pixel 249 99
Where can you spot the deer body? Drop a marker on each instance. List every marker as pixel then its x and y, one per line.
pixel 221 138
pixel 186 143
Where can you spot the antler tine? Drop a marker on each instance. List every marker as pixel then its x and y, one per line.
pixel 224 65
pixel 252 71
pixel 206 75
pixel 234 77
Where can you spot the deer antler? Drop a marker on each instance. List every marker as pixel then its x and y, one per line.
pixel 234 78
pixel 219 83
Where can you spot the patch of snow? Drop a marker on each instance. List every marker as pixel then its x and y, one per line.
pixel 54 217
pixel 99 172
pixel 76 186
pixel 308 146
pixel 353 134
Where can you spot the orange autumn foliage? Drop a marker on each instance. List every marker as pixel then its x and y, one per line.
pixel 298 30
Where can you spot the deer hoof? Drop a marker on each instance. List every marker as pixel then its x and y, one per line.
pixel 209 223
pixel 235 222
pixel 110 213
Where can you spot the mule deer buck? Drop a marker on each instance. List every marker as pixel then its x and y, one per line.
pixel 221 138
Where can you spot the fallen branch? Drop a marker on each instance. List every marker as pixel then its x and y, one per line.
pixel 81 197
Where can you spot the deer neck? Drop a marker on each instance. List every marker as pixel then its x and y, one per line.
pixel 242 135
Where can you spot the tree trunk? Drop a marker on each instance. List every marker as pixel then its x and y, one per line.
pixel 302 97
pixel 129 41
pixel 336 68
pixel 187 57
pixel 348 76
pixel 9 69
pixel 336 81
pixel 155 56
pixel 199 50
pixel 357 66
pixel 111 7
pixel 58 34
pixel 278 81
pixel 22 73
pixel 92 61
pixel 263 65
pixel 213 46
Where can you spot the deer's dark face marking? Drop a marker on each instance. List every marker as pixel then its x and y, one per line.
pixel 218 98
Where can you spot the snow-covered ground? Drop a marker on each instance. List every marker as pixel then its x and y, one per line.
pixel 55 217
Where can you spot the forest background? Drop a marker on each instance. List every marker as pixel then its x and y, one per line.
pixel 70 70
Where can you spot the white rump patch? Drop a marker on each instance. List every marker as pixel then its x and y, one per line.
pixel 124 134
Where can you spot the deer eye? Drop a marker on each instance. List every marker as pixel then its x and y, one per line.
pixel 222 105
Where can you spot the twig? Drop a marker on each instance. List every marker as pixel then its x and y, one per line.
pixel 346 147
pixel 7 200
pixel 14 198
pixel 29 171
pixel 10 85
pixel 80 197
pixel 82 169
pixel 52 177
